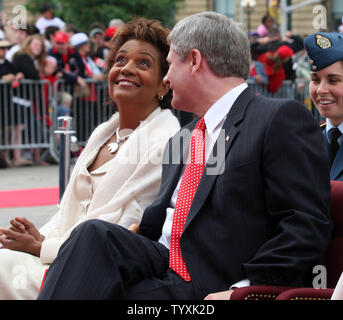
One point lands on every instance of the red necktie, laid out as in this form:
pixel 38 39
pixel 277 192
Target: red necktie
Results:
pixel 189 183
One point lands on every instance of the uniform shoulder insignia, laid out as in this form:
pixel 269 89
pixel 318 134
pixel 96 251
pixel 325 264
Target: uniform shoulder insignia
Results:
pixel 323 42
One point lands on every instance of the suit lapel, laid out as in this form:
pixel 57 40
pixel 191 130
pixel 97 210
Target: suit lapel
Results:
pixel 177 157
pixel 216 164
pixel 336 168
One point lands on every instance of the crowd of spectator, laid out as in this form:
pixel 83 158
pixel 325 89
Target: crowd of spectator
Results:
pixel 275 56
pixel 52 49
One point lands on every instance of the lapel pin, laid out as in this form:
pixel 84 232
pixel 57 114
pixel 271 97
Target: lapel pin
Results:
pixel 227 138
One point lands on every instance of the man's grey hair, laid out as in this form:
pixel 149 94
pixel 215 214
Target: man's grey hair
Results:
pixel 223 41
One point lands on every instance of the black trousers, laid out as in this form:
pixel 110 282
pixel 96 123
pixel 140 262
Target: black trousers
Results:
pixel 101 260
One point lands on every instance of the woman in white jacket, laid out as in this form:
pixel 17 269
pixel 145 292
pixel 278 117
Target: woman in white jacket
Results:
pixel 119 172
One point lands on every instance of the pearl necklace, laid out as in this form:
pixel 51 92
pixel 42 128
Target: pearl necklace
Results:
pixel 113 147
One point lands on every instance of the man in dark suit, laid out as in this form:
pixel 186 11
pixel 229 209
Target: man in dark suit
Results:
pixel 260 213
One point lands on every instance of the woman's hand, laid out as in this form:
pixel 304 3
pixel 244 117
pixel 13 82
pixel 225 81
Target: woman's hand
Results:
pixel 23 225
pixel 134 228
pixel 22 236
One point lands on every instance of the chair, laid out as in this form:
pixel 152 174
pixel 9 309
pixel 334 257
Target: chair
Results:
pixel 258 292
pixel 333 263
pixel 305 294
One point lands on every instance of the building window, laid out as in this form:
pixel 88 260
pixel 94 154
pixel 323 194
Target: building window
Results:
pixel 226 7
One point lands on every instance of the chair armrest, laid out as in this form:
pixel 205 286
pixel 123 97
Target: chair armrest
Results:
pixel 305 294
pixel 258 292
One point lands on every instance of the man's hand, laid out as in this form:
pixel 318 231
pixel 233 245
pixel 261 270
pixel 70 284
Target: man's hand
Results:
pixel 222 295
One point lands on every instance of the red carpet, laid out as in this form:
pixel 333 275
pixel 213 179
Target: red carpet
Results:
pixel 29 197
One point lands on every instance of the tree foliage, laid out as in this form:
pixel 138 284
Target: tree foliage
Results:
pixel 82 13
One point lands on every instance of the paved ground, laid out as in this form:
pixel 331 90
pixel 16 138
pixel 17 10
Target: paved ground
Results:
pixel 25 178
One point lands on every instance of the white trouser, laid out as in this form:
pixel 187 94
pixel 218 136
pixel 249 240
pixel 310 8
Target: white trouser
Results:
pixel 21 275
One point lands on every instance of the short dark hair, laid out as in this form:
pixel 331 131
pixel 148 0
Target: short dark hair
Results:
pixel 50 31
pixel 273 32
pixel 29 29
pixel 45 7
pixel 266 17
pixel 70 28
pixel 150 31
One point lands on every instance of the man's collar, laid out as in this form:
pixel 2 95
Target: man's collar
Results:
pixel 220 109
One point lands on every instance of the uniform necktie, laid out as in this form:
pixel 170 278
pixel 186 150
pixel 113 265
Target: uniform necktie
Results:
pixel 189 183
pixel 335 134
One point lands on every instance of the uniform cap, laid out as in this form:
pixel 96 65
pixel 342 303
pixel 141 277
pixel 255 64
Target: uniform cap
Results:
pixel 323 49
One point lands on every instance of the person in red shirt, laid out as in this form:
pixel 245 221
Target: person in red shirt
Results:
pixel 273 62
pixel 51 74
pixel 274 54
pixel 68 60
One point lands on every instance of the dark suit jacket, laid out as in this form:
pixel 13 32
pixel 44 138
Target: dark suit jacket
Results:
pixel 336 171
pixel 266 218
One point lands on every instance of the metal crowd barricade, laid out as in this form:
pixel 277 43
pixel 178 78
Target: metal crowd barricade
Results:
pixel 289 90
pixel 28 113
pixel 89 107
pixel 31 109
pixel 25 116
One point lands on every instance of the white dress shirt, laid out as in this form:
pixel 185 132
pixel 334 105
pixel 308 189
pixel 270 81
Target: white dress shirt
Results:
pixel 214 120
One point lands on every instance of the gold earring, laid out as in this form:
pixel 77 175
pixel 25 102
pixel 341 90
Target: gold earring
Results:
pixel 160 98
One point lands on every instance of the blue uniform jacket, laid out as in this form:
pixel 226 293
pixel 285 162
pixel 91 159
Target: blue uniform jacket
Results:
pixel 336 171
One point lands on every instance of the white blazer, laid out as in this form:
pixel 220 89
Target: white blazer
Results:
pixel 130 184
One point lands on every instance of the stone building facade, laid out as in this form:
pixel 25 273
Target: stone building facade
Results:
pixel 300 20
